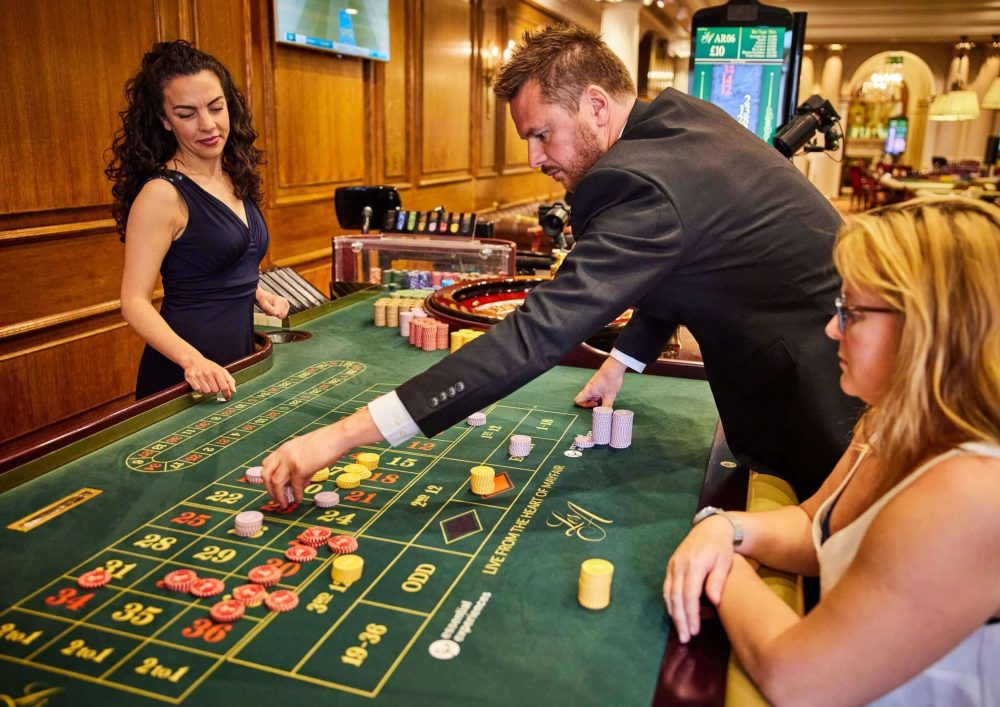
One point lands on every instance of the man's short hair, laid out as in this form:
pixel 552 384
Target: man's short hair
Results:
pixel 564 59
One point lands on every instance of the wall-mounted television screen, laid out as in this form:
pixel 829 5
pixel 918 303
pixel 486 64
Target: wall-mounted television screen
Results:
pixel 895 137
pixel 355 27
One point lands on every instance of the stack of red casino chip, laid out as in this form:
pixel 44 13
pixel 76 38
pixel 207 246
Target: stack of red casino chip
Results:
pixel 520 445
pixel 342 544
pixel 249 523
pixel 180 580
pixel 442 335
pixel 282 600
pixel 264 575
pixel 315 536
pixel 602 424
pixel 621 429
pixel 300 553
pixel 326 499
pixel 207 587
pixel 228 611
pixel 94 579
pixel 250 594
pixel 476 419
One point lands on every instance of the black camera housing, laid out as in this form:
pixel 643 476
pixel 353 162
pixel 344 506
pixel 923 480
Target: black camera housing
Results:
pixel 553 218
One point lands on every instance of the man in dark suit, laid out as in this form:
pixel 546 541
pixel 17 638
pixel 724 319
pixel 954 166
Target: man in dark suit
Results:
pixel 678 211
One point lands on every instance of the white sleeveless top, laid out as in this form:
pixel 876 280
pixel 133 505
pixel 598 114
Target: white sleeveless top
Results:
pixel 970 673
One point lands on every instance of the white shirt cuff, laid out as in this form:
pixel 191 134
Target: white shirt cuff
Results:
pixel 634 364
pixel 392 419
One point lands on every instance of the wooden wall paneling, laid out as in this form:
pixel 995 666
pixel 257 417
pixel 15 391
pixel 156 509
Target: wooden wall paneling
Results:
pixel 319 117
pixel 222 28
pixel 60 378
pixel 62 90
pixel 515 150
pixel 445 92
pixel 396 90
pixel 491 24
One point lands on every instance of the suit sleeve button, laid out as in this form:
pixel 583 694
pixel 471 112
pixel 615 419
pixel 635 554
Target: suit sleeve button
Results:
pixel 433 402
pixel 460 386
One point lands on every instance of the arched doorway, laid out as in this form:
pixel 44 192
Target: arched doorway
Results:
pixel 887 85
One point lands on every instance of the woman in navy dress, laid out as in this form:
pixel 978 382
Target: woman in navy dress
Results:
pixel 187 194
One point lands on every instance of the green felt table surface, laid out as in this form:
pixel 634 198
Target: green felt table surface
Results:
pixel 463 599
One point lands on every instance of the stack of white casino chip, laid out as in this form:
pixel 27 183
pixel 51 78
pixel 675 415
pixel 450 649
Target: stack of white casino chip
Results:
pixel 404 323
pixel 249 523
pixel 520 445
pixel 583 441
pixel 602 424
pixel 254 475
pixel 476 419
pixel 621 429
pixel 326 499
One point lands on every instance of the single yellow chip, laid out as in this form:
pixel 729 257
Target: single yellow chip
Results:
pixel 347 569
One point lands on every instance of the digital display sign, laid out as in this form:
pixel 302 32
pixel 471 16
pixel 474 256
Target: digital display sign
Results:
pixel 741 70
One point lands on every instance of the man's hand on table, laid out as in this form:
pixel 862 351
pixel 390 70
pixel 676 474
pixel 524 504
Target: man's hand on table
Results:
pixel 294 463
pixel 603 386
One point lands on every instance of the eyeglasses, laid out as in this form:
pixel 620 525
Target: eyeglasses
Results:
pixel 845 313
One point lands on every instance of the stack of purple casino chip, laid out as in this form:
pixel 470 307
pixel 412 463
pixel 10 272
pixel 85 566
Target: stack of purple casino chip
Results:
pixel 583 441
pixel 476 419
pixel 254 475
pixel 249 523
pixel 602 424
pixel 621 429
pixel 326 499
pixel 520 445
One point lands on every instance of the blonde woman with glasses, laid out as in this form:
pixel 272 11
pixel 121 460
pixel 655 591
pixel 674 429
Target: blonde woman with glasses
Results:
pixel 905 532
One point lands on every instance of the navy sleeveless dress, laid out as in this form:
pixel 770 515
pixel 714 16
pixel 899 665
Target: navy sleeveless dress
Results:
pixel 210 279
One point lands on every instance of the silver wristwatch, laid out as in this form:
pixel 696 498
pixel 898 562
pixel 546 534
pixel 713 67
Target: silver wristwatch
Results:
pixel 708 511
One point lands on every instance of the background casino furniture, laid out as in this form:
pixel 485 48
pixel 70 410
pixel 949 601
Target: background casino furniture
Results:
pixel 677 451
pixel 373 260
pixel 305 302
pixel 766 493
pixel 363 207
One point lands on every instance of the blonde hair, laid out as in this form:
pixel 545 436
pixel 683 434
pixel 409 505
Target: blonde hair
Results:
pixel 937 261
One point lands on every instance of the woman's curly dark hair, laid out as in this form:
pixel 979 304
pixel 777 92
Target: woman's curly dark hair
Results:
pixel 142 146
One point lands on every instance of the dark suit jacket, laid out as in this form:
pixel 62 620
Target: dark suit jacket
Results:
pixel 693 220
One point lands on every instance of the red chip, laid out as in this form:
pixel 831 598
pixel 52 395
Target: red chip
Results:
pixel 300 553
pixel 264 575
pixel 227 611
pixel 342 544
pixel 208 587
pixel 315 536
pixel 180 580
pixel 282 600
pixel 94 579
pixel 250 594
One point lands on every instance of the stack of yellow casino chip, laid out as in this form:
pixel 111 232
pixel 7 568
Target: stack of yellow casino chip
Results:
pixel 359 470
pixel 595 583
pixel 368 460
pixel 347 569
pixel 348 481
pixel 321 475
pixel 481 479
pixel 380 314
